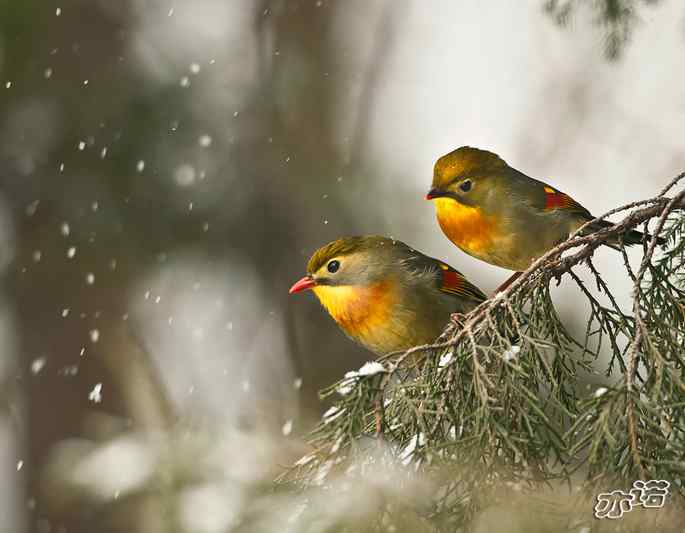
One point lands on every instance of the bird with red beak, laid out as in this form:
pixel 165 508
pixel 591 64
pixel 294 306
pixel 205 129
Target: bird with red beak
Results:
pixel 384 294
pixel 502 216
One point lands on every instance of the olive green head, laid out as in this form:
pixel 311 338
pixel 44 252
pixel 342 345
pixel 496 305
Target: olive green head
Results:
pixel 361 260
pixel 466 174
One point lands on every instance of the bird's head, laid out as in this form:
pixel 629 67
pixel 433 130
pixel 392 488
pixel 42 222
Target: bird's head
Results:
pixel 464 175
pixel 348 262
pixel 355 280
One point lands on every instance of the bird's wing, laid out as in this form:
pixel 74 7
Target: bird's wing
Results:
pixel 447 279
pixel 558 200
pixel 546 198
pixel 453 282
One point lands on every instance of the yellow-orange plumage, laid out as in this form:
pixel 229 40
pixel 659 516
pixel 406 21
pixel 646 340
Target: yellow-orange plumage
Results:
pixel 384 294
pixel 499 214
pixel 465 226
pixel 359 310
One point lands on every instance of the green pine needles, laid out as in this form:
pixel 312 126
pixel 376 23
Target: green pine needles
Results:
pixel 618 18
pixel 512 412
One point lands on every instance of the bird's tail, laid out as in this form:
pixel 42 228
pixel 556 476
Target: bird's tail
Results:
pixel 630 238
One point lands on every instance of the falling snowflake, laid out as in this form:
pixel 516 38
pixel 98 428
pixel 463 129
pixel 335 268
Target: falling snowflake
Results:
pixel 184 175
pixel 37 364
pixel 95 395
pixel 287 427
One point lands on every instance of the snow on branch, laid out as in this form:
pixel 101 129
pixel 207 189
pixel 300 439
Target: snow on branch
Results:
pixel 507 400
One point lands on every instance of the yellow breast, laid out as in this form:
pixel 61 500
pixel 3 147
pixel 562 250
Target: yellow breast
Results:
pixel 466 226
pixel 363 312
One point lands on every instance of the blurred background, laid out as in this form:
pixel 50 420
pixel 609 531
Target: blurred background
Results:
pixel 167 168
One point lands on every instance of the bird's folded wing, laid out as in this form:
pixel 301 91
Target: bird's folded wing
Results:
pixel 558 200
pixel 453 282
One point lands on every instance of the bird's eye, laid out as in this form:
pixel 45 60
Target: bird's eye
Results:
pixel 465 185
pixel 333 266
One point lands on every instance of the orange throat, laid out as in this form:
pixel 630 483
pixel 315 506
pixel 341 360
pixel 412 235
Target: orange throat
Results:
pixel 359 310
pixel 465 226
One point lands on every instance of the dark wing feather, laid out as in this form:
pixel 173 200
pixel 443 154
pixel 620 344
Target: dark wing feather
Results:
pixel 558 200
pixel 453 282
pixel 448 280
pixel 554 199
pixel 544 197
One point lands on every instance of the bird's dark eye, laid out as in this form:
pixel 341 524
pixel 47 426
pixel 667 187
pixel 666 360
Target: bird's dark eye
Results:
pixel 465 185
pixel 333 266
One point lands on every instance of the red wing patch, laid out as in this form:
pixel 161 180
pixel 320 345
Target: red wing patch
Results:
pixel 558 200
pixel 454 283
pixel 451 281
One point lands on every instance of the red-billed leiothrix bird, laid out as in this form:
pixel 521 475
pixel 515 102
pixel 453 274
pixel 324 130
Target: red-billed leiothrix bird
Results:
pixel 385 295
pixel 501 216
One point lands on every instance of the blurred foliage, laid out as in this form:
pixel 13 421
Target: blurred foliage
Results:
pixel 617 17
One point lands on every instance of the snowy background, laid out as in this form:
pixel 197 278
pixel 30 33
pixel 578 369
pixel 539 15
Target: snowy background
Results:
pixel 167 169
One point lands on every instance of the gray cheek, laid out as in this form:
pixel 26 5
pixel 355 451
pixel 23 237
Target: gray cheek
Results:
pixel 362 274
pixel 366 277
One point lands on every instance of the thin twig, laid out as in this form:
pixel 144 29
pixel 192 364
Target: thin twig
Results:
pixel 641 333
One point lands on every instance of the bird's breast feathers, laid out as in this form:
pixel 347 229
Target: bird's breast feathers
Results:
pixel 466 226
pixel 359 310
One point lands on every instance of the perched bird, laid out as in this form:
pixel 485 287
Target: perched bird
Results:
pixel 501 216
pixel 384 294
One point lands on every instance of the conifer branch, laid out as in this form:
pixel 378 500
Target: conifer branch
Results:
pixel 497 403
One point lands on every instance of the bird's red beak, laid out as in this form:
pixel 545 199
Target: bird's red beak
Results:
pixel 433 193
pixel 305 283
